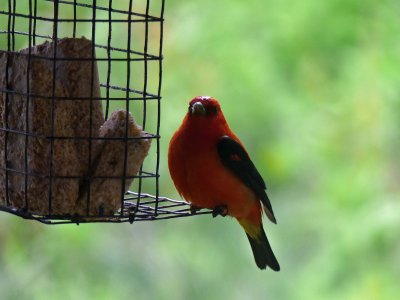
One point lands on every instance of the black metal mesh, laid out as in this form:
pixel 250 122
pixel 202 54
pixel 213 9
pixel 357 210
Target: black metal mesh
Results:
pixel 127 38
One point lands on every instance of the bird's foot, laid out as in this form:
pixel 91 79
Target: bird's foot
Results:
pixel 221 210
pixel 194 209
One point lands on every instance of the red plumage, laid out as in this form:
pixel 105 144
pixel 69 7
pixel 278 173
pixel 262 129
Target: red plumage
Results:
pixel 211 169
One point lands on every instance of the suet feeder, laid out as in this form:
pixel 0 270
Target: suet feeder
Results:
pixel 80 108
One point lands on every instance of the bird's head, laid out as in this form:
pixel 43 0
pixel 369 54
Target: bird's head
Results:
pixel 205 116
pixel 204 106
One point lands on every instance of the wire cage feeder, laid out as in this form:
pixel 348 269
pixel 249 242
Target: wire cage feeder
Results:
pixel 80 99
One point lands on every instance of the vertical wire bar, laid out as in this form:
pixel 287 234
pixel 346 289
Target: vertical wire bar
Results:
pixel 55 40
pixel 145 61
pixel 74 25
pixel 108 58
pixel 13 25
pixel 34 21
pixel 128 75
pixel 145 50
pixel 91 106
pixel 6 103
pixel 27 105
pixel 159 105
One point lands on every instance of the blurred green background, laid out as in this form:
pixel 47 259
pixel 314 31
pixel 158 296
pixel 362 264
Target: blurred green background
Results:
pixel 313 90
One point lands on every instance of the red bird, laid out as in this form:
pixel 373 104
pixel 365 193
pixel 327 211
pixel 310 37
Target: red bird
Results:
pixel 211 169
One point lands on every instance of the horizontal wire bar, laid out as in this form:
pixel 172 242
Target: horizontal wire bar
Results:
pixel 105 9
pixel 146 96
pixel 45 176
pixel 129 90
pixel 78 98
pixel 93 138
pixel 160 199
pixel 46 58
pixel 14 14
pixel 150 56
pixel 160 210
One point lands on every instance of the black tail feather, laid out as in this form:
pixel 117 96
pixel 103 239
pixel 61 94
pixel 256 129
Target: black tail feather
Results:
pixel 262 252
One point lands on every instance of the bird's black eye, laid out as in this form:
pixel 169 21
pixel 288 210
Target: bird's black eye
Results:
pixel 213 110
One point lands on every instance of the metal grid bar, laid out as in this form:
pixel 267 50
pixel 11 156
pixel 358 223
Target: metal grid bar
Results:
pixel 53 93
pixel 108 9
pixel 72 20
pixel 128 80
pixel 116 49
pixel 166 209
pixel 160 72
pixel 116 88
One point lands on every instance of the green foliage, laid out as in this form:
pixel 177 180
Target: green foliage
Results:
pixel 312 88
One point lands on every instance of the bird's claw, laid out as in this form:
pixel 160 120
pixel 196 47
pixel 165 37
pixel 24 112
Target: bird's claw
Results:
pixel 221 210
pixel 194 209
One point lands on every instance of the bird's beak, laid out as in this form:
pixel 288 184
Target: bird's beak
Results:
pixel 198 109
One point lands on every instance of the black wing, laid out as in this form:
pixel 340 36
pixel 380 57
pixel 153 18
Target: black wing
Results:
pixel 236 159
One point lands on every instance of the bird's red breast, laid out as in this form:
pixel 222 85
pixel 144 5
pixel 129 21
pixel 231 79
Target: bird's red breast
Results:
pixel 196 168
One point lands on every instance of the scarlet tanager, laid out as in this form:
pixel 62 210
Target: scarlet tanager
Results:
pixel 211 169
